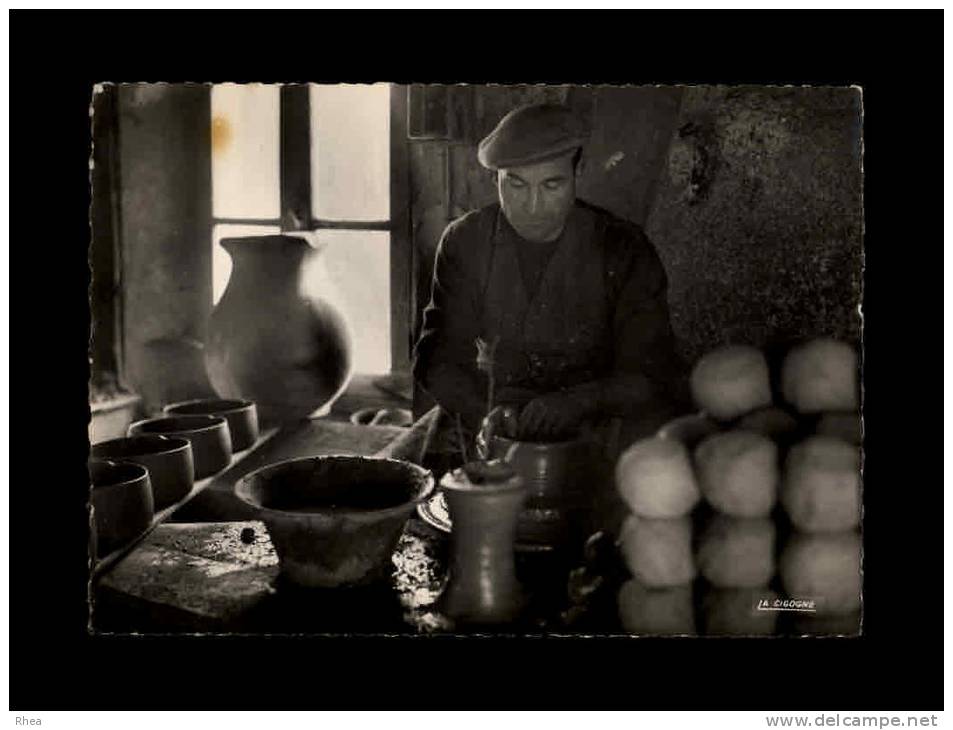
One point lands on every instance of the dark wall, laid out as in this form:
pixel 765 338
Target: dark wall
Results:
pixel 104 251
pixel 758 216
pixel 751 196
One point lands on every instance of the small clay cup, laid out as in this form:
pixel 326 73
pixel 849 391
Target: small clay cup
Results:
pixel 168 460
pixel 209 436
pixel 335 520
pixel 242 417
pixel 122 502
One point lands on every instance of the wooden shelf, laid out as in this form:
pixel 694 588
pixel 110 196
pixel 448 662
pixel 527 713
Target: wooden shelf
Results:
pixel 110 559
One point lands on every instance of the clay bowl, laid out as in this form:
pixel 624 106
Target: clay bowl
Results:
pixel 168 460
pixel 335 520
pixel 209 436
pixel 122 502
pixel 382 417
pixel 242 417
pixel 690 429
pixel 557 476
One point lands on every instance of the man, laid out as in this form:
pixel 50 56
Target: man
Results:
pixel 573 298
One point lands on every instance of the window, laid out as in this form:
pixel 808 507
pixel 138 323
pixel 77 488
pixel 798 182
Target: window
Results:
pixel 321 161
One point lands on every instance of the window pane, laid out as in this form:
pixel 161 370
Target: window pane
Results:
pixel 353 273
pixel 245 151
pixel 221 261
pixel 350 152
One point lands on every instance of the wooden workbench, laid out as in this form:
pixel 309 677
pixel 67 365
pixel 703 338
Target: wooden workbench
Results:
pixel 198 574
pixel 214 570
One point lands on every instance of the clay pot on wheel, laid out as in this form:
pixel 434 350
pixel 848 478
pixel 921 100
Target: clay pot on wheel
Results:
pixel 271 339
pixel 556 476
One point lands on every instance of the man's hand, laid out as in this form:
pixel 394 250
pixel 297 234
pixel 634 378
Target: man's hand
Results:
pixel 514 396
pixel 552 416
pixel 502 421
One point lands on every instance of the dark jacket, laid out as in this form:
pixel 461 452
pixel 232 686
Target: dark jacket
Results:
pixel 598 324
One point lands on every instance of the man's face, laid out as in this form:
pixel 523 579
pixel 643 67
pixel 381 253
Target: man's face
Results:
pixel 537 198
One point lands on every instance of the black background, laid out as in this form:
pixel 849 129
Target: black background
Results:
pixel 895 56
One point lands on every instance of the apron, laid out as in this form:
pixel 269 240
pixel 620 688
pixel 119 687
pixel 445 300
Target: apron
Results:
pixel 561 336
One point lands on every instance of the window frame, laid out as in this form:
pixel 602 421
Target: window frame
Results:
pixel 295 203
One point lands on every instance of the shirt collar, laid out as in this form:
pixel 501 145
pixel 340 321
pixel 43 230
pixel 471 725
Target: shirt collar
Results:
pixel 502 229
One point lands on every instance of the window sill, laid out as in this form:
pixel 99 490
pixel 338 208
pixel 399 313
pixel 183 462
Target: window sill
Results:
pixel 115 403
pixel 110 417
pixel 372 391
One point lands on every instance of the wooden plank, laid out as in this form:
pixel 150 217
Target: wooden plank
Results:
pixel 105 251
pixel 192 576
pixel 204 578
pixel 295 158
pixel 401 253
pixel 427 113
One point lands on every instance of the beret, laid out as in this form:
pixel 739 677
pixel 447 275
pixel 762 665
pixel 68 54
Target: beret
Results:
pixel 531 134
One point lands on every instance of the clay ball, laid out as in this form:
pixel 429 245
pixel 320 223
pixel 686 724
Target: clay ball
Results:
pixel 658 552
pixel 820 489
pixel 737 552
pixel 731 381
pixel 821 375
pixel 656 612
pixel 655 478
pixel 772 422
pixel 845 426
pixel 825 567
pixel 810 624
pixel 738 473
pixel 734 612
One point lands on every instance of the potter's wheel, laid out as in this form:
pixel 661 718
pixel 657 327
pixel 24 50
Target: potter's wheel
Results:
pixel 435 513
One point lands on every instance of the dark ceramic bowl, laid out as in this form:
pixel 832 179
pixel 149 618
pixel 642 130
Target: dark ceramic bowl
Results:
pixel 209 435
pixel 335 520
pixel 168 459
pixel 242 417
pixel 122 502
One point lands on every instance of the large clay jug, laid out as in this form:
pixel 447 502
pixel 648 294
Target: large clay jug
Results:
pixel 271 338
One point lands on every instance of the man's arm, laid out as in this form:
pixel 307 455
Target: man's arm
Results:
pixel 445 354
pixel 647 368
pixel 646 365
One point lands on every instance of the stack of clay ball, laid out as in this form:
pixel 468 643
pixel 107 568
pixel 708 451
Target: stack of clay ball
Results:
pixel 744 519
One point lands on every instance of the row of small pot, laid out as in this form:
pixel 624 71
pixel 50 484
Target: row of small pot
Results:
pixel 158 462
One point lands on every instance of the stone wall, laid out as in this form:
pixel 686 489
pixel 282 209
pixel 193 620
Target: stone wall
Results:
pixel 165 212
pixel 758 216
